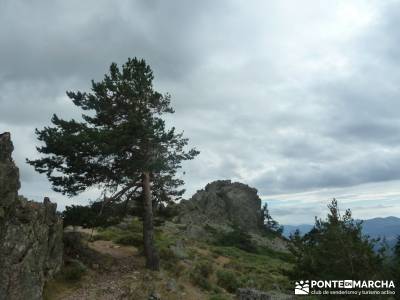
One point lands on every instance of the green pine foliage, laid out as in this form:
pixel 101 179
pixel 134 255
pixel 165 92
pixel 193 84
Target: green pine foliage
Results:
pixel 121 146
pixel 335 249
pixel 96 214
pixel 396 266
pixel 268 223
pixel 122 134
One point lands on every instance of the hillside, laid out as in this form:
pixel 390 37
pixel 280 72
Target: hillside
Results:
pixel 216 258
pixel 214 246
pixel 114 267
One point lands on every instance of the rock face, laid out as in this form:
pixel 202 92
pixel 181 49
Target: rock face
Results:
pixel 225 203
pixel 30 235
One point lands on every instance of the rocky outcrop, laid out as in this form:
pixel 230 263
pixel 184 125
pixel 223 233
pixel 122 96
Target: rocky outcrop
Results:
pixel 30 235
pixel 225 203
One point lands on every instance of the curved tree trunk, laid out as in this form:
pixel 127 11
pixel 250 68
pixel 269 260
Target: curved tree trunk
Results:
pixel 150 251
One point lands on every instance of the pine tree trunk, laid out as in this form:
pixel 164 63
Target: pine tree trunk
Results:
pixel 150 251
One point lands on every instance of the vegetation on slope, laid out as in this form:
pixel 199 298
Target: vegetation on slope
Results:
pixel 209 270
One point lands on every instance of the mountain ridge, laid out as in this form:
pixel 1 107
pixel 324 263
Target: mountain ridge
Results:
pixel 388 227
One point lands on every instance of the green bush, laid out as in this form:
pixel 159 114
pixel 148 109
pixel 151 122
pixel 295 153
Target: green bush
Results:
pixel 170 262
pixel 73 270
pixel 228 280
pixel 167 254
pixel 200 281
pixel 108 234
pixel 237 238
pixel 204 268
pixel 200 274
pixel 129 239
pixel 89 215
pixel 127 236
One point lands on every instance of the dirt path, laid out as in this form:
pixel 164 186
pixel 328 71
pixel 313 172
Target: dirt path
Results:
pixel 115 251
pixel 110 284
pixel 118 272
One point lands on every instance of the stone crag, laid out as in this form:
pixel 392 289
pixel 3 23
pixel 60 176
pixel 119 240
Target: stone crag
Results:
pixel 226 203
pixel 30 235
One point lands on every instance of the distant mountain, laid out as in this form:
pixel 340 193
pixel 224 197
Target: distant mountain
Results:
pixel 303 228
pixel 388 227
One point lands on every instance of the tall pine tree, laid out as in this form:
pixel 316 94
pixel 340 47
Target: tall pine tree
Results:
pixel 122 146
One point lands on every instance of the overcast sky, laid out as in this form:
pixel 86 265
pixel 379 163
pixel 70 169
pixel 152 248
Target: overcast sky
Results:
pixel 299 99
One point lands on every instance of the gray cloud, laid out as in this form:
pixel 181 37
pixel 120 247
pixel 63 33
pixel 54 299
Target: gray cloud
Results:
pixel 282 96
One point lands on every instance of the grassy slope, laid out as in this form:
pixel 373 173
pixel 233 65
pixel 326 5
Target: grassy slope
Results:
pixel 200 270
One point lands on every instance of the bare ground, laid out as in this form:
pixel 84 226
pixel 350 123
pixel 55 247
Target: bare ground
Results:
pixel 125 278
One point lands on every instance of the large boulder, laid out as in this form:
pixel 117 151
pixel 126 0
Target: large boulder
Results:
pixel 223 203
pixel 30 235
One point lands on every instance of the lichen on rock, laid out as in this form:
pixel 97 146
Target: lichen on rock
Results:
pixel 30 235
pixel 224 202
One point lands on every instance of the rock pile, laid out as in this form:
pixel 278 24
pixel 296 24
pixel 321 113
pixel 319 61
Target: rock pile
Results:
pixel 30 235
pixel 226 203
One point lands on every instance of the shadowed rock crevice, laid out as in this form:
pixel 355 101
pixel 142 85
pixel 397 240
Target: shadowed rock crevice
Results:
pixel 30 235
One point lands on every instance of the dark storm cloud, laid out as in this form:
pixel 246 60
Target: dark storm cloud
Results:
pixel 285 97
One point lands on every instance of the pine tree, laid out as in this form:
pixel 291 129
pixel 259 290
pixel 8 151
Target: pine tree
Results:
pixel 268 223
pixel 335 249
pixel 396 250
pixel 396 266
pixel 121 146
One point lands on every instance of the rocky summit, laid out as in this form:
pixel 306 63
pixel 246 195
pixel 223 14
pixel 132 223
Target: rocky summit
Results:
pixel 224 202
pixel 30 235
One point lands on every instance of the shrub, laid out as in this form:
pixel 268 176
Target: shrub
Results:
pixel 129 239
pixel 178 269
pixel 204 268
pixel 73 270
pixel 169 261
pixel 200 274
pixel 89 215
pixel 120 236
pixel 200 281
pixel 77 215
pixel 237 238
pixel 228 280
pixel 108 234
pixel 167 254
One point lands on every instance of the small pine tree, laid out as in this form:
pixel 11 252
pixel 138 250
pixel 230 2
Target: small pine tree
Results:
pixel 396 266
pixel 268 223
pixel 335 249
pixel 397 250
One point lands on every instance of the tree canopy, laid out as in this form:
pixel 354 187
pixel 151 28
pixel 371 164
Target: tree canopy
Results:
pixel 269 224
pixel 121 135
pixel 121 145
pixel 335 249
